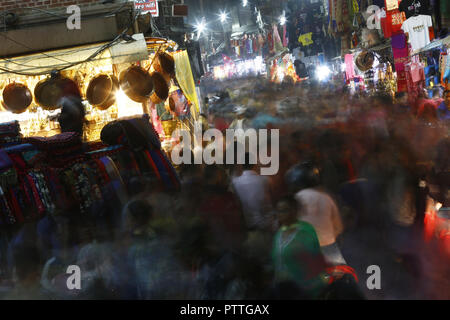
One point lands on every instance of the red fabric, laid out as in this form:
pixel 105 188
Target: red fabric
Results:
pixel 15 206
pixel 392 24
pixel 427 108
pixel 342 269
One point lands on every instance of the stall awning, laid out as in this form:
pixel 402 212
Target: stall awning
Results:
pixel 73 58
pixel 434 44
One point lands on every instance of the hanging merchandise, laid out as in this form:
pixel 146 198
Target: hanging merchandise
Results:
pixel 400 53
pixel 391 5
pixel 334 16
pixel 261 43
pixel 249 46
pixel 306 39
pixel 365 60
pixel 270 40
pixel 414 7
pixel 278 45
pixel 285 37
pixel 392 23
pixel 414 88
pixel 417 72
pixel 349 69
pixel 355 40
pixel 444 68
pixel 417 28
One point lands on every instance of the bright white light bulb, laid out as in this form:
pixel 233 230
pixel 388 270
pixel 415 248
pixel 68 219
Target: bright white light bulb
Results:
pixel 223 17
pixel 322 72
pixel 244 3
pixel 200 27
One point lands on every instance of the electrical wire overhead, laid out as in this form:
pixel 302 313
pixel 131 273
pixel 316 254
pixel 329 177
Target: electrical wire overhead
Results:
pixel 70 65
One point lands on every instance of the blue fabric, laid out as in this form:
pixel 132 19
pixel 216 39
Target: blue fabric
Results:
pixel 443 112
pixel 447 74
pixel 161 169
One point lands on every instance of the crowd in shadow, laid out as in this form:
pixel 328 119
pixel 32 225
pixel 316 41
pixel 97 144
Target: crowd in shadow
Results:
pixel 357 175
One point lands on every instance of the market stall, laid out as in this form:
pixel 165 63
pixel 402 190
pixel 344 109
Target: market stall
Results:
pixel 126 87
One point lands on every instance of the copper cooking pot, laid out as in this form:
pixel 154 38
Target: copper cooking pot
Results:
pixel 165 65
pixel 16 97
pixel 136 83
pixel 48 92
pixel 161 89
pixel 101 91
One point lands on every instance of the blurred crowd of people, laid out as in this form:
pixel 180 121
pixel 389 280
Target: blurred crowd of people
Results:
pixel 357 176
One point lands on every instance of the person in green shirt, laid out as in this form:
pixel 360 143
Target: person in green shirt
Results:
pixel 296 251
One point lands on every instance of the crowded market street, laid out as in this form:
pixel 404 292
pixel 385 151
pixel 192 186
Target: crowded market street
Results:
pixel 238 150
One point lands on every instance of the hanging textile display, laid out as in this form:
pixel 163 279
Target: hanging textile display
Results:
pixel 61 175
pixel 349 68
pixel 285 37
pixel 392 23
pixel 185 79
pixel 400 53
pixel 278 45
pixel 391 5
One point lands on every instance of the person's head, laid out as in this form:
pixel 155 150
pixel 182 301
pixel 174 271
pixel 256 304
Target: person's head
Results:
pixel 72 114
pixel 137 215
pixel 287 211
pixel 383 100
pixel 302 176
pixel 401 98
pixel 428 112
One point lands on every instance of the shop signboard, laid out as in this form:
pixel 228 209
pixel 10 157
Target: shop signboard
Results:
pixel 148 6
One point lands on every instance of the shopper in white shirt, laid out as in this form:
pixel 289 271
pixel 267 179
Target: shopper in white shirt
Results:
pixel 317 208
pixel 253 191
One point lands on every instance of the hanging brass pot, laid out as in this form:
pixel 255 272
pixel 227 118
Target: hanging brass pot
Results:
pixel 161 89
pixel 101 91
pixel 48 92
pixel 16 97
pixel 165 65
pixel 136 83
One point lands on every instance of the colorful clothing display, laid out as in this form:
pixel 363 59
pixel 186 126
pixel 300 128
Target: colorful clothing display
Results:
pixel 400 53
pixel 69 179
pixel 417 28
pixel 392 23
pixel 412 7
